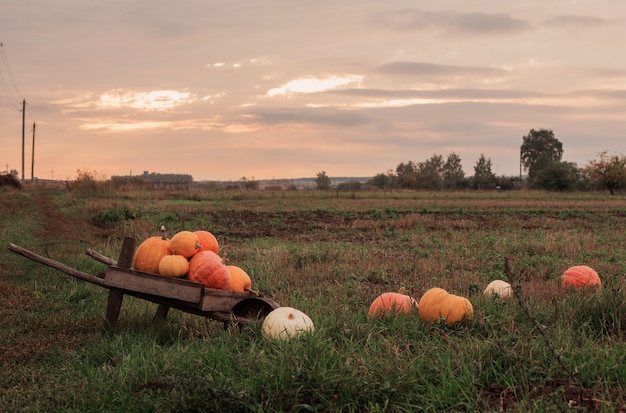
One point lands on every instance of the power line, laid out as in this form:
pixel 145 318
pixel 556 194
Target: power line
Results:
pixel 8 84
pixel 5 87
pixel 7 67
pixel 5 73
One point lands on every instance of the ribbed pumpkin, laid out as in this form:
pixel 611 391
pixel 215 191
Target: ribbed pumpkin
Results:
pixel 285 323
pixel 185 243
pixel 455 308
pixel 173 266
pixel 437 304
pixel 149 254
pixel 206 267
pixel 207 241
pixel 498 288
pixel 428 306
pixel 239 279
pixel 580 276
pixel 392 303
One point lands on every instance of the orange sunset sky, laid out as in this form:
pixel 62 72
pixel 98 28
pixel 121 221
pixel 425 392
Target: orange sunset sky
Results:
pixel 269 89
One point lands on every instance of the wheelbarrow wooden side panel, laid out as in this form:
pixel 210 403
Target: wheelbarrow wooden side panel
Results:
pixel 153 284
pixel 194 295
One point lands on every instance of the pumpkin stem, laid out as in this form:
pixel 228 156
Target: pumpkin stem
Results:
pixel 250 290
pixel 164 236
pixel 402 290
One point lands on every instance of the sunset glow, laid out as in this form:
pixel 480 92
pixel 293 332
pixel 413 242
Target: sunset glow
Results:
pixel 350 88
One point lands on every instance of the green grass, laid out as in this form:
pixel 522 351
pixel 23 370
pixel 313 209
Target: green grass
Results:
pixel 329 255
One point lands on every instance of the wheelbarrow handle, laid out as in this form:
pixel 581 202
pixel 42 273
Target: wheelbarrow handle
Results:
pixel 83 276
pixel 99 257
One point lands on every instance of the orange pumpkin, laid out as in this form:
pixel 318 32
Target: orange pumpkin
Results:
pixel 149 254
pixel 455 309
pixel 428 306
pixel 391 303
pixel 173 266
pixel 206 267
pixel 580 276
pixel 185 243
pixel 437 304
pixel 207 241
pixel 239 279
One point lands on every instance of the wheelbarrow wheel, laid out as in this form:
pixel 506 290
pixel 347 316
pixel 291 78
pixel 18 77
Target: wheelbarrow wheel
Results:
pixel 251 310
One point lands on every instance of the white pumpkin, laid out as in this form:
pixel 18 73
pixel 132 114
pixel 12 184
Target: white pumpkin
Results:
pixel 499 288
pixel 286 322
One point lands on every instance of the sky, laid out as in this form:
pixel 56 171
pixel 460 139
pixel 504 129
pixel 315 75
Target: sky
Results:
pixel 277 89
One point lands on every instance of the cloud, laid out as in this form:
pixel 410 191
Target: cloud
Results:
pixel 155 100
pixel 431 76
pixel 310 116
pixel 484 23
pixel 313 85
pixel 122 126
pixel 463 93
pixel 576 21
pixel 477 23
pixel 432 69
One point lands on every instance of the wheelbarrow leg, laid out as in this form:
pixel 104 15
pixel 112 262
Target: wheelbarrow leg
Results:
pixel 114 302
pixel 161 312
pixel 114 305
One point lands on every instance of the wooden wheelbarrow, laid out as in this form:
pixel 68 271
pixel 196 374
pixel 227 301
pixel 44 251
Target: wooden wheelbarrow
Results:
pixel 229 307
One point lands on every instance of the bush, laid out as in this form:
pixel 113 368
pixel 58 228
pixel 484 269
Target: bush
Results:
pixel 349 186
pixel 110 217
pixel 86 183
pixel 10 180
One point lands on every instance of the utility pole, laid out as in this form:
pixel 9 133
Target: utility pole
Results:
pixel 32 166
pixel 23 131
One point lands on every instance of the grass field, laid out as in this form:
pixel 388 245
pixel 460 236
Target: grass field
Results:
pixel 330 255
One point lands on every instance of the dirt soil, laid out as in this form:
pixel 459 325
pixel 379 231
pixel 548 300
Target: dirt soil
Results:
pixel 18 312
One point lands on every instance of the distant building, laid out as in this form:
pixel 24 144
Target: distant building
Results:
pixel 153 181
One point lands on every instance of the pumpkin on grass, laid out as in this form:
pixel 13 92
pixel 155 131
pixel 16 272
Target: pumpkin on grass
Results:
pixel 580 276
pixel 173 266
pixel 207 241
pixel 149 254
pixel 429 304
pixel 498 288
pixel 437 304
pixel 391 303
pixel 284 323
pixel 206 267
pixel 185 243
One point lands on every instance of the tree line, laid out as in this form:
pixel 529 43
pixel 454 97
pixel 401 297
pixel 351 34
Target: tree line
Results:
pixel 540 156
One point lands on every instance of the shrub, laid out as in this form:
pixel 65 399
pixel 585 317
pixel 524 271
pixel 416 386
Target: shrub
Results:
pixel 108 218
pixel 349 186
pixel 10 180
